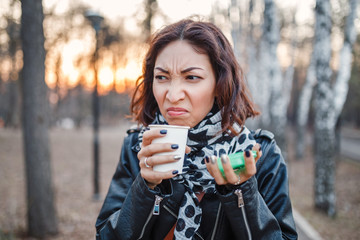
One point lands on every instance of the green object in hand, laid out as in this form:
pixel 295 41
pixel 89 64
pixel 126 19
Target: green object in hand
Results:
pixel 237 162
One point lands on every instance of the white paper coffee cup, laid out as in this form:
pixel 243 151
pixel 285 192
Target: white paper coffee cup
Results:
pixel 175 135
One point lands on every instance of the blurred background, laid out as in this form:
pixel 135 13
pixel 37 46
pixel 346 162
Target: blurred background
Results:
pixel 64 102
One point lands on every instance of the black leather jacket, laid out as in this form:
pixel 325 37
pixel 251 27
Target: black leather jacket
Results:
pixel 259 208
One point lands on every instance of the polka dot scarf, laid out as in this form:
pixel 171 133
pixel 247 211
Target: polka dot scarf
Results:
pixel 205 139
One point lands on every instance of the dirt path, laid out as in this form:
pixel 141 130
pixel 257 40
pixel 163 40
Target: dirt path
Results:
pixel 72 174
pixel 350 144
pixel 346 224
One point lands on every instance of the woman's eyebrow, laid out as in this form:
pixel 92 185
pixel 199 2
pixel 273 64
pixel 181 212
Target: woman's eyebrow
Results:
pixel 190 69
pixel 162 70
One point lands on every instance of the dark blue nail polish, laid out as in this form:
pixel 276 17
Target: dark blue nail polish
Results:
pixel 260 149
pixel 247 153
pixel 174 146
pixel 163 131
pixel 207 159
pixel 175 172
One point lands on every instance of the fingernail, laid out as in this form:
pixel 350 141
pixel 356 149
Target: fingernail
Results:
pixel 207 159
pixel 213 159
pixel 163 131
pixel 175 172
pixel 177 157
pixel 247 153
pixel 174 146
pixel 260 149
pixel 223 158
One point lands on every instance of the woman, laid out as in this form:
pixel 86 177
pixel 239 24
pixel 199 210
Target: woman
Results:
pixel 191 78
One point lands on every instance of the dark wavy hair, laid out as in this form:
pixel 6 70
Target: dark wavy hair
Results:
pixel 232 94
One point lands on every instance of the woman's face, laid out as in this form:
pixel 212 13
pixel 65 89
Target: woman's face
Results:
pixel 184 84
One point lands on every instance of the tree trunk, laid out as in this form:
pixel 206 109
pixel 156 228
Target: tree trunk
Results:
pixel 304 106
pixel 329 102
pixel 13 106
pixel 282 93
pixel 252 74
pixel 263 92
pixel 324 112
pixel 150 10
pixel 235 27
pixel 325 170
pixel 277 103
pixel 342 81
pixel 13 115
pixel 287 89
pixel 41 214
pixel 289 73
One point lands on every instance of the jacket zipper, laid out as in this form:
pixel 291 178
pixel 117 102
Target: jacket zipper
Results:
pixel 216 222
pixel 241 205
pixel 155 211
pixel 171 212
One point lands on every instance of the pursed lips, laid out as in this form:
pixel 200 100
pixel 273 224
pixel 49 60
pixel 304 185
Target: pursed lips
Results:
pixel 174 111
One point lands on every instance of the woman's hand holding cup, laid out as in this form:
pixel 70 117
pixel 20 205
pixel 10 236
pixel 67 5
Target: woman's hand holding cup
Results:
pixel 160 157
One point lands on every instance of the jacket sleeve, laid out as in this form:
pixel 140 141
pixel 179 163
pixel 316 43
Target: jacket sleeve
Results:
pixel 267 212
pixel 122 215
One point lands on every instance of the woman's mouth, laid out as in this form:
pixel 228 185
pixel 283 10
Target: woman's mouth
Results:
pixel 174 111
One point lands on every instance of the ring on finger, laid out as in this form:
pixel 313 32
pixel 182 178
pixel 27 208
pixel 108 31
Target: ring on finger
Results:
pixel 146 164
pixel 238 181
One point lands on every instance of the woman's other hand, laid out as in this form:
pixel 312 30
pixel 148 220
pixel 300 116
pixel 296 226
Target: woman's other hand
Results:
pixel 148 159
pixel 230 176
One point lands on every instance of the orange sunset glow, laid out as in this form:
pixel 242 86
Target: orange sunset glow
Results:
pixel 119 78
pixel 121 75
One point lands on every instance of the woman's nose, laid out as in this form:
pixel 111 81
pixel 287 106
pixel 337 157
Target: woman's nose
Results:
pixel 175 92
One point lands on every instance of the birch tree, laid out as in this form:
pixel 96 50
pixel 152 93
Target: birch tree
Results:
pixel 240 15
pixel 243 41
pixel 267 69
pixel 341 87
pixel 324 134
pixel 275 88
pixel 41 214
pixel 253 64
pixel 234 17
pixel 304 106
pixel 281 92
pixel 271 89
pixel 342 81
pixel 329 101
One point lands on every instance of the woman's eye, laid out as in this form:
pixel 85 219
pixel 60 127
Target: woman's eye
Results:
pixel 160 77
pixel 192 77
